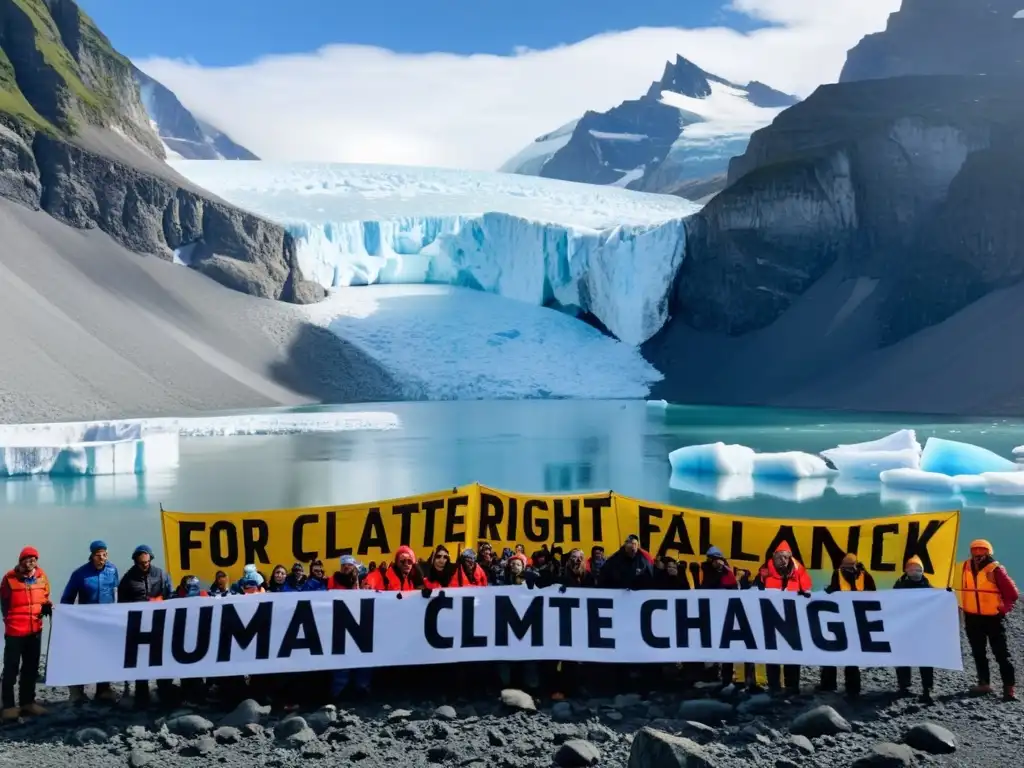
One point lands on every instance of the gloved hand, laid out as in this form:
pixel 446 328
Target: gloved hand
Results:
pixel 47 609
pixel 828 590
pixel 400 595
pixel 426 591
pixel 804 594
pixel 563 589
pixel 949 589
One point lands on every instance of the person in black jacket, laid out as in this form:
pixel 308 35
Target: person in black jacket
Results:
pixel 141 583
pixel 567 676
pixel 913 578
pixel 849 577
pixel 716 573
pixel 629 568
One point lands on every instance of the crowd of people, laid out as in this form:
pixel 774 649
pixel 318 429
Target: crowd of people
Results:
pixel 987 595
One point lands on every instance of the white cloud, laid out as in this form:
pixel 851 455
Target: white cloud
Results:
pixel 347 103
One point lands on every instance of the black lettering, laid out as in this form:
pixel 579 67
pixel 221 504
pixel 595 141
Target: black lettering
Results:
pixel 224 544
pixel 255 535
pixel 430 617
pixel 302 633
pixel 135 637
pixel 186 543
pixel 696 574
pixel 878 534
pixel 430 509
pixel 469 639
pixel 736 626
pixel 866 627
pixel 570 520
pixel 406 511
pixel 917 542
pixel 233 630
pixel 596 623
pixel 455 519
pixel 647 610
pixel 596 507
pixel 506 618
pixel 785 534
pixel 685 623
pixel 646 527
pixel 786 624
pixel 334 547
pixel 822 541
pixel 491 514
pixel 513 519
pixel 677 537
pixel 178 634
pixel 299 552
pixel 853 539
pixel 565 607
pixel 535 530
pixel 345 625
pixel 736 543
pixel 840 642
pixel 704 534
pixel 374 535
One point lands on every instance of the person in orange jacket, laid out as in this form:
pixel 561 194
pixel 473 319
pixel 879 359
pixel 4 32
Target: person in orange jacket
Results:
pixel 401 576
pixel 438 573
pixel 24 601
pixel 783 572
pixel 468 573
pixel 987 595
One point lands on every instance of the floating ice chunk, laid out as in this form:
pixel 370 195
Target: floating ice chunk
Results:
pixel 713 459
pixel 789 464
pixel 657 405
pixel 1019 450
pixel 919 480
pixel 718 487
pixel 867 465
pixel 950 457
pixel 1003 483
pixel 970 483
pixel 904 439
pixel 803 489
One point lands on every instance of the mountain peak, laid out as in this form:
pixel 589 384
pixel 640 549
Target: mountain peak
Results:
pixel 684 77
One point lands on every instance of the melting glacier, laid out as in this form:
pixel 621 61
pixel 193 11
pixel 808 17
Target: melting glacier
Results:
pixel 609 252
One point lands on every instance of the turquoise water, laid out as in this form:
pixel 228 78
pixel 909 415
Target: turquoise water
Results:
pixel 529 446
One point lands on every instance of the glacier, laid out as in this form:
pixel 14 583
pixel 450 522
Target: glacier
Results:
pixel 609 252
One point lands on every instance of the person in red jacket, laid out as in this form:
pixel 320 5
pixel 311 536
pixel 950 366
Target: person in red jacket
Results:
pixel 987 595
pixel 401 576
pixel 783 572
pixel 24 601
pixel 468 573
pixel 438 573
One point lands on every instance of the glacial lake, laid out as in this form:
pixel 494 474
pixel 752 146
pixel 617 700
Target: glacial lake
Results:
pixel 530 446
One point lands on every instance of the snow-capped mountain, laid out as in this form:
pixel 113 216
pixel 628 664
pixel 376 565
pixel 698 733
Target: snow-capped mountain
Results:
pixel 685 128
pixel 182 134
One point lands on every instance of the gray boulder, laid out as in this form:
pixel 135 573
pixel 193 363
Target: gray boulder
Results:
pixel 820 721
pixel 577 753
pixel 657 749
pixel 227 734
pixel 886 755
pixel 707 711
pixel 289 726
pixel 322 719
pixel 246 713
pixel 446 712
pixel 518 700
pixel 189 726
pixel 93 735
pixel 801 743
pixel 204 745
pixel 931 738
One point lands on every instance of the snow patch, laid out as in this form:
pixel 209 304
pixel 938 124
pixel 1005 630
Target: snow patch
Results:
pixel 1019 14
pixel 726 111
pixel 618 136
pixel 448 343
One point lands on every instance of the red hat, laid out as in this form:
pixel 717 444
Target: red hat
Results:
pixel 521 558
pixel 783 547
pixel 28 552
pixel 404 550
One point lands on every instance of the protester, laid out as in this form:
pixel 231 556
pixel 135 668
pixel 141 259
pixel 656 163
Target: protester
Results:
pixel 295 580
pixel 193 689
pixel 94 583
pixel 545 564
pixel 716 573
pixel 24 601
pixel 189 587
pixel 486 558
pixel 517 572
pixel 629 568
pixel 575 572
pixel 468 573
pixel 527 673
pixel 783 572
pixel 141 583
pixel 438 573
pixel 850 576
pixel 278 580
pixel 566 676
pixel 220 586
pixel 354 681
pixel 253 581
pixel 317 580
pixel 913 578
pixel 668 575
pixel 401 576
pixel 987 594
pixel 596 560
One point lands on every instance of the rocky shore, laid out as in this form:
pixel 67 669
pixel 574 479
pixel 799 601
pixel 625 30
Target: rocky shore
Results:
pixel 703 726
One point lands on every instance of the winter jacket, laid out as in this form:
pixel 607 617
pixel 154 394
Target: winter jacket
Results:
pixel 460 579
pixel 662 580
pixel 581 580
pixel 861 581
pixel 710 578
pixel 314 585
pixel 22 600
pixel 797 580
pixel 904 582
pixel 390 580
pixel 621 572
pixel 139 587
pixel 88 586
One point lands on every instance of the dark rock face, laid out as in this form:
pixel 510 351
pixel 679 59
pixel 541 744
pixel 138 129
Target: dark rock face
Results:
pixel 942 37
pixel 180 130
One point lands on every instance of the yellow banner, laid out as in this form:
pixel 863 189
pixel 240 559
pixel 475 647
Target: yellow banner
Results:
pixel 203 543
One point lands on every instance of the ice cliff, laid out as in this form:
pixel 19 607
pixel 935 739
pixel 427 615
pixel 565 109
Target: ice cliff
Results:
pixel 603 252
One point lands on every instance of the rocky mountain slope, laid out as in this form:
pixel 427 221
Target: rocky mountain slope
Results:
pixel 184 136
pixel 672 139
pixel 875 209
pixel 76 142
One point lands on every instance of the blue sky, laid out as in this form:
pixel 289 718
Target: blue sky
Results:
pixel 231 32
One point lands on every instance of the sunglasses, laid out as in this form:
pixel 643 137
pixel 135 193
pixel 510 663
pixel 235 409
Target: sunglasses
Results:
pixel 436 557
pixel 405 560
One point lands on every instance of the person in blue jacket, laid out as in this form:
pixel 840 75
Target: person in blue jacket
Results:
pixel 94 583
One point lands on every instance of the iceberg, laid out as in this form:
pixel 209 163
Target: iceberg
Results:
pixel 721 459
pixel 868 465
pixel 111 457
pixel 985 483
pixel 950 457
pixel 903 440
pixel 920 480
pixel 603 251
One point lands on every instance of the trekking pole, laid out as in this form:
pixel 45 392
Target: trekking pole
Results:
pixel 49 637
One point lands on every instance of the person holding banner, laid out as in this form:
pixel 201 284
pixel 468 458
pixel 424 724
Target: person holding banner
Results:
pixel 850 576
pixel 438 573
pixel 716 573
pixel 347 577
pixel 141 583
pixel 783 572
pixel 629 568
pixel 401 576
pixel 987 594
pixel 468 573
pixel 94 583
pixel 317 581
pixel 278 579
pixel 24 601
pixel 913 578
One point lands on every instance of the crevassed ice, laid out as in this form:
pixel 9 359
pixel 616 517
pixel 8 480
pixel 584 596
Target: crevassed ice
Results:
pixel 608 251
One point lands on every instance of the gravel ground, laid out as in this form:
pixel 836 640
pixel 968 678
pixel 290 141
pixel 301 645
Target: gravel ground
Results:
pixel 510 729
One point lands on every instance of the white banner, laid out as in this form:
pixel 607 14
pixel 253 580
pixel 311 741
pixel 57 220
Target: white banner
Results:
pixel 291 632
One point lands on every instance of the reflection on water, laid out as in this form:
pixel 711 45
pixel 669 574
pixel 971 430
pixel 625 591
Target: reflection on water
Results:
pixel 543 446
